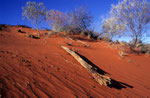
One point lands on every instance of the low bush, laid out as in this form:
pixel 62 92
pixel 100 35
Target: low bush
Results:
pixel 4 27
pixel 143 49
pixel 117 42
pixel 23 26
pixel 19 30
pixel 74 31
pixel 82 34
pixel 148 52
pixel 32 36
pixel 106 39
pixel 92 35
pixel 132 43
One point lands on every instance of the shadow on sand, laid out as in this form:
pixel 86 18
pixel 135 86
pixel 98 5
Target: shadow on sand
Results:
pixel 114 83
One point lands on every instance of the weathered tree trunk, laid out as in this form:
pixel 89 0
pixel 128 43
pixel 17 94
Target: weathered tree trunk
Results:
pixel 135 42
pixel 37 28
pixel 101 79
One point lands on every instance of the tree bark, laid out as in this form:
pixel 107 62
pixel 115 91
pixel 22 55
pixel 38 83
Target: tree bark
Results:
pixel 37 28
pixel 135 42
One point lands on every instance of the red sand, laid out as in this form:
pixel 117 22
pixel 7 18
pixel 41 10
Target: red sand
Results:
pixel 41 68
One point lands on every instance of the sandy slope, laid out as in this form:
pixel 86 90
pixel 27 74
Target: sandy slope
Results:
pixel 40 68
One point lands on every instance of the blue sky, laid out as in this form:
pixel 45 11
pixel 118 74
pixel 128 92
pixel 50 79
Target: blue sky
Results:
pixel 11 10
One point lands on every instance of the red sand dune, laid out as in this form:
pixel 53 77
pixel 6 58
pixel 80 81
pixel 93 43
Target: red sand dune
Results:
pixel 41 68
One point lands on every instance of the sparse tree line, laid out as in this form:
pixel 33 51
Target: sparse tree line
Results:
pixel 128 17
pixel 76 21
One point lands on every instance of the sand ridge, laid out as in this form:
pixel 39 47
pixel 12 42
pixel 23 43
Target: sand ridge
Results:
pixel 41 68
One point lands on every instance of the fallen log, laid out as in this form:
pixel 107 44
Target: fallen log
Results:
pixel 101 79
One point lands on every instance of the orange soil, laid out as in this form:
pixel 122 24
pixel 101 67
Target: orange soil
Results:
pixel 41 68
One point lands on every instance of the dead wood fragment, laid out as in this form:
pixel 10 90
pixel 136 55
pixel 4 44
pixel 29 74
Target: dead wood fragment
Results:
pixel 122 54
pixel 101 79
pixel 87 45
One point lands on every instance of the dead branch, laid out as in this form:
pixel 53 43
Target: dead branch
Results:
pixel 101 79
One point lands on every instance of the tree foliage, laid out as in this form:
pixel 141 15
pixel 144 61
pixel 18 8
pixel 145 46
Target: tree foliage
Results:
pixel 81 18
pixel 56 19
pixel 77 20
pixel 134 15
pixel 111 28
pixel 35 13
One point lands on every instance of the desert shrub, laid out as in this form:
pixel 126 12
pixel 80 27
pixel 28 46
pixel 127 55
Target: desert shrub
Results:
pixel 89 36
pixel 78 21
pixel 122 42
pixel 4 27
pixel 96 37
pixel 1 28
pixel 82 34
pixel 132 43
pixel 54 32
pixel 47 34
pixel 32 36
pixel 143 49
pixel 75 22
pixel 73 31
pixel 20 31
pixel 69 31
pixel 148 52
pixel 23 26
pixel 92 35
pixel 106 39
pixel 117 42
